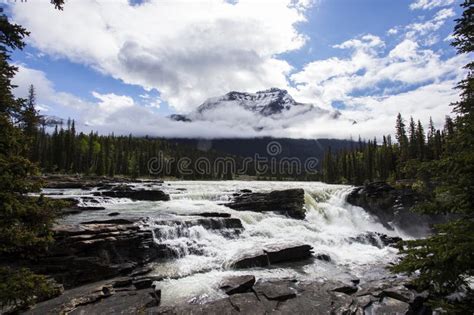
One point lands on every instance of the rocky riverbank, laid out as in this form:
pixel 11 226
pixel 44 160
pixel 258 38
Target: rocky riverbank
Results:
pixel 393 207
pixel 245 295
pixel 113 261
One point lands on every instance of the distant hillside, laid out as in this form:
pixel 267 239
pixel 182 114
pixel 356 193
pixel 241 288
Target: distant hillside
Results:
pixel 299 148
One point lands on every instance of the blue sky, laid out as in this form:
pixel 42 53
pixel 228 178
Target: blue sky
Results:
pixel 119 66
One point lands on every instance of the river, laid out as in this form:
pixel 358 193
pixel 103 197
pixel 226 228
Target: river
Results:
pixel 204 255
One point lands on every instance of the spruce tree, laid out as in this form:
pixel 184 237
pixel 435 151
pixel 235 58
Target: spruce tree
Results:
pixel 401 136
pixel 412 139
pixel 432 148
pixel 420 141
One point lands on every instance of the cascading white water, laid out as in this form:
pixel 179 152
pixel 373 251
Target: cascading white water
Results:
pixel 203 255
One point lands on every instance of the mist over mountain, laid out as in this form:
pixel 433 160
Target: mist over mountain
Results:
pixel 262 110
pixel 50 121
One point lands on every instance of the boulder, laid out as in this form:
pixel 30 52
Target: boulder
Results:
pixel 79 209
pixel 222 306
pixel 379 240
pixel 111 221
pixel 347 289
pixel 323 257
pixel 276 290
pixel 182 226
pixel 387 305
pixel 214 214
pixel 141 194
pixel 248 303
pixel 289 202
pixel 216 224
pixel 305 297
pixel 392 207
pixel 238 284
pixel 122 282
pixel 90 208
pixel 209 223
pixel 250 260
pixel 272 254
pixel 141 271
pixel 142 283
pixel 278 253
pixel 96 250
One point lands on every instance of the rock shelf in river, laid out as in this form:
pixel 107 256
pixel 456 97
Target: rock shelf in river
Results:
pixel 289 202
pixel 100 249
pixel 272 254
pixel 135 194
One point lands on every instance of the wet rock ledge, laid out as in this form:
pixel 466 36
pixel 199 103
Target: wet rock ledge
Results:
pixel 87 182
pixel 124 191
pixel 272 254
pixel 101 249
pixel 387 296
pixel 245 295
pixel 289 202
pixel 98 250
pixel 392 207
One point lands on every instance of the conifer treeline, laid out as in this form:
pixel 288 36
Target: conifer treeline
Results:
pixel 67 151
pixel 388 161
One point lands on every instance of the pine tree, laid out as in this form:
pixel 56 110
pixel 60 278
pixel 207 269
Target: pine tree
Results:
pixel 412 139
pixel 432 148
pixel 401 136
pixel 30 122
pixel 30 115
pixel 420 141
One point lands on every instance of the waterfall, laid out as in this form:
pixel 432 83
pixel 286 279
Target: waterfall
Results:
pixel 200 253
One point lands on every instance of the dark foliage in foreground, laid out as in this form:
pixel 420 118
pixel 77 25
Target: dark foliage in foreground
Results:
pixel 24 221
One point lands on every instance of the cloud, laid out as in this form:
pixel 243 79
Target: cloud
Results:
pixel 430 4
pixel 392 31
pixel 101 110
pixel 192 52
pixel 417 31
pixel 366 42
pixel 108 104
pixel 186 50
pixel 109 112
pixel 373 84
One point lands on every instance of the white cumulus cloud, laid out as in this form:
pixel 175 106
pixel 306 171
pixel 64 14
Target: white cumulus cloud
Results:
pixel 188 50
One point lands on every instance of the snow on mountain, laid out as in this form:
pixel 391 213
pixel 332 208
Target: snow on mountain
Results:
pixel 274 103
pixel 50 121
pixel 266 102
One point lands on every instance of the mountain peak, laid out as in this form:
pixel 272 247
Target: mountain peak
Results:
pixel 266 102
pixel 260 110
